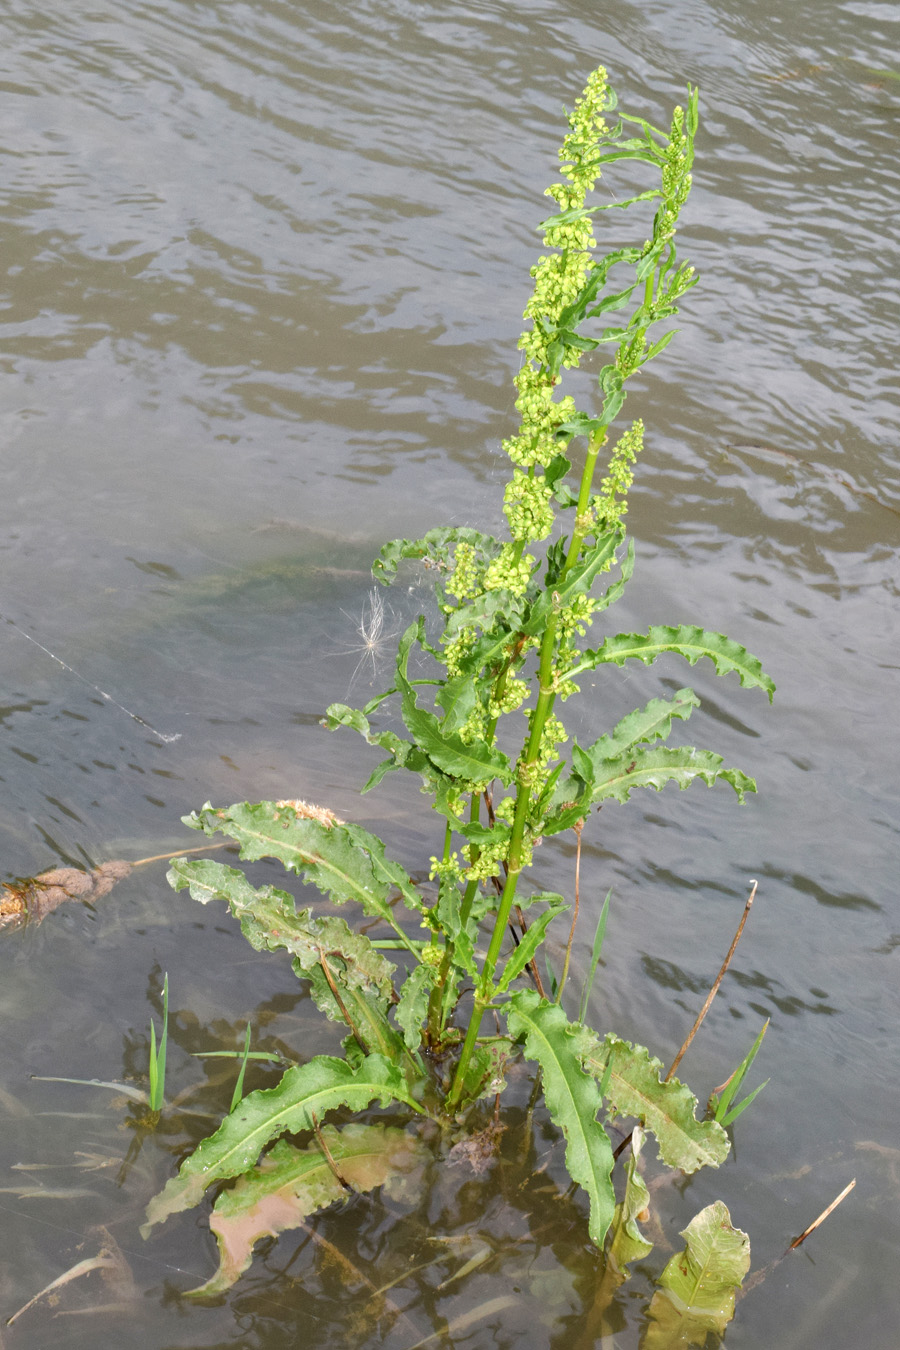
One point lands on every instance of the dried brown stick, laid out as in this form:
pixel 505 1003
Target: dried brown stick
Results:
pixel 822 1217
pixel 181 852
pixel 715 989
pixel 758 1276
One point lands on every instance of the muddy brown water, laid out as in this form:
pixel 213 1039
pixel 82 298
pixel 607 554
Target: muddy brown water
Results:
pixel 266 264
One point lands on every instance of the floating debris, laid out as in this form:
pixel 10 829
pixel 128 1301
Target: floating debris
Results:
pixel 30 900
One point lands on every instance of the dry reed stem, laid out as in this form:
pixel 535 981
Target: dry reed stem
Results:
pixel 715 989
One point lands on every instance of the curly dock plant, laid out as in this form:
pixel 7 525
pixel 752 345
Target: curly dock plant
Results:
pixel 510 648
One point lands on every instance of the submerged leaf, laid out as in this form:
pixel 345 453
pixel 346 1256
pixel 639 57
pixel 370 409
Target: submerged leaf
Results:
pixel 305 1093
pixel 291 1183
pixel 628 1242
pixel 696 1288
pixel 573 1099
pixel 635 1087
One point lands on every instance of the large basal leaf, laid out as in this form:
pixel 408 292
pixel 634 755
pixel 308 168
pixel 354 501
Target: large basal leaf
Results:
pixel 573 1099
pixel 653 768
pixel 350 981
pixel 344 861
pixel 305 1094
pixel 697 1286
pixel 291 1183
pixel 684 640
pixel 635 1087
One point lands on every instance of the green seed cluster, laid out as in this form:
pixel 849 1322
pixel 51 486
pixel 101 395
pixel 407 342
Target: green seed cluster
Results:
pixel 507 572
pixel 558 279
pixel 611 504
pixel 447 869
pixel 676 181
pixel 526 502
pixel 513 696
pixel 458 649
pixel 465 580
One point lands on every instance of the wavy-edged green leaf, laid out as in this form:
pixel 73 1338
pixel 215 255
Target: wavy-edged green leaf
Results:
pixel 697 1287
pixel 306 1093
pixel 269 920
pixel 650 723
pixel 291 1183
pixel 412 1009
pixel 530 942
pixel 596 558
pixel 457 699
pixel 483 611
pixel 572 1097
pixel 654 767
pixel 685 640
pixel 340 715
pixel 350 981
pixel 345 862
pixel 635 1087
pixel 435 546
pixel 627 1243
pixel 474 763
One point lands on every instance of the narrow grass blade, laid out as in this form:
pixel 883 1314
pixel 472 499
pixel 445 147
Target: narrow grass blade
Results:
pixel 595 957
pixel 239 1085
pixel 722 1101
pixel 158 1056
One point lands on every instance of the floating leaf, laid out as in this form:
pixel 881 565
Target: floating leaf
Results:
pixel 291 1183
pixel 33 898
pixel 635 1087
pixel 684 640
pixel 696 1289
pixel 306 1093
pixel 573 1099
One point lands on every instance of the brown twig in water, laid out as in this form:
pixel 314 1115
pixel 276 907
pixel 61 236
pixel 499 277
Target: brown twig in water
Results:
pixel 756 1279
pixel 181 852
pixel 336 1172
pixel 822 1217
pixel 715 989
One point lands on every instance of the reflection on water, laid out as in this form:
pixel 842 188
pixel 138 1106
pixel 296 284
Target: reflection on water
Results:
pixel 266 264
